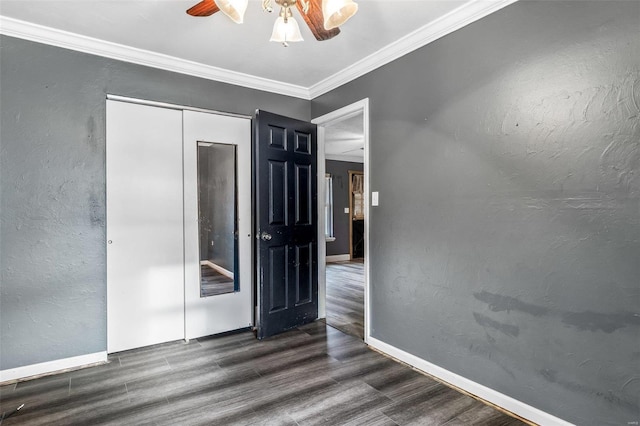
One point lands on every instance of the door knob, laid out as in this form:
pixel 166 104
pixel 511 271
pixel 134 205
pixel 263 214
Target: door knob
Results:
pixel 265 236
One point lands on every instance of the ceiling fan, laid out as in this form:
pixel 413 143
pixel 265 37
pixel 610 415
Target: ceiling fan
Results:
pixel 323 17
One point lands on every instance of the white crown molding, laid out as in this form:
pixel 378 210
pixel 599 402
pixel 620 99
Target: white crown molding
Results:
pixel 452 21
pixel 41 34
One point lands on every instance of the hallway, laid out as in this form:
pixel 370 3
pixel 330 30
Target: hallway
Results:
pixel 345 297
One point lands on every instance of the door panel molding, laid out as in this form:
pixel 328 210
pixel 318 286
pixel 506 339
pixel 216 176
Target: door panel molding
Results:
pixel 278 138
pixel 278 294
pixel 278 182
pixel 304 274
pixel 304 197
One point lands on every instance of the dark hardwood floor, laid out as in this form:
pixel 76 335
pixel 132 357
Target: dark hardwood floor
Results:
pixel 345 296
pixel 214 283
pixel 314 375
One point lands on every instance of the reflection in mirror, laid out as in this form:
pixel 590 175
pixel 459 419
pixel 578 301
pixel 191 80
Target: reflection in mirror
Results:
pixel 217 218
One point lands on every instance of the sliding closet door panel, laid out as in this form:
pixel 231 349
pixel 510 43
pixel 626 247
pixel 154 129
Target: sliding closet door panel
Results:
pixel 145 264
pixel 217 212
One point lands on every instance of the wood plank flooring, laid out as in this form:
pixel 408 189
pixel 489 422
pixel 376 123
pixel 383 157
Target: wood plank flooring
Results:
pixel 214 283
pixel 345 296
pixel 314 375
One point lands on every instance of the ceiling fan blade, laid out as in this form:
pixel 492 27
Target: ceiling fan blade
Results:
pixel 315 20
pixel 204 8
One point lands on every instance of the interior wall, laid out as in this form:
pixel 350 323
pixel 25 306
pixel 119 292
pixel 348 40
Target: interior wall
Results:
pixel 340 172
pixel 52 187
pixel 506 244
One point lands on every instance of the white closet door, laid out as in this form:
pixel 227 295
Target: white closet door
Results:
pixel 225 312
pixel 145 263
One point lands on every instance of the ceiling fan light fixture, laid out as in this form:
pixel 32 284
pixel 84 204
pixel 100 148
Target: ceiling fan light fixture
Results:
pixel 337 12
pixel 286 29
pixel 234 9
pixel 311 11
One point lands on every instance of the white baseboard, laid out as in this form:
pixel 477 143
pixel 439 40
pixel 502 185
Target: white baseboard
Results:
pixel 338 258
pixel 217 268
pixel 501 400
pixel 43 368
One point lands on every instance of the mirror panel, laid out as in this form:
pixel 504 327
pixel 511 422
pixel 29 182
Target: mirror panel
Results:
pixel 217 218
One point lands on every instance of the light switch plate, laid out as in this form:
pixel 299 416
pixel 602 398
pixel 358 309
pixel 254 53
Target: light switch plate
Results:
pixel 374 198
pixel 346 210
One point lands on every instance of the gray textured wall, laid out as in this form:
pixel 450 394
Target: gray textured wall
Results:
pixel 52 182
pixel 506 247
pixel 340 172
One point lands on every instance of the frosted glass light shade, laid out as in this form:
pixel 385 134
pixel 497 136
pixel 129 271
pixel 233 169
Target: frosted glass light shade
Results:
pixel 234 9
pixel 337 12
pixel 285 32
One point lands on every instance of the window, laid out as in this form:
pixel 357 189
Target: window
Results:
pixel 328 208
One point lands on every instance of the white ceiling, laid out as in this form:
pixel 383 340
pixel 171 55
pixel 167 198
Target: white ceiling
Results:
pixel 344 140
pixel 159 33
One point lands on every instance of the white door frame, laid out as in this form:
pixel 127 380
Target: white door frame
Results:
pixel 322 122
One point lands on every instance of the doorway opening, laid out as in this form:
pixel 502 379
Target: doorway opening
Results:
pixel 343 151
